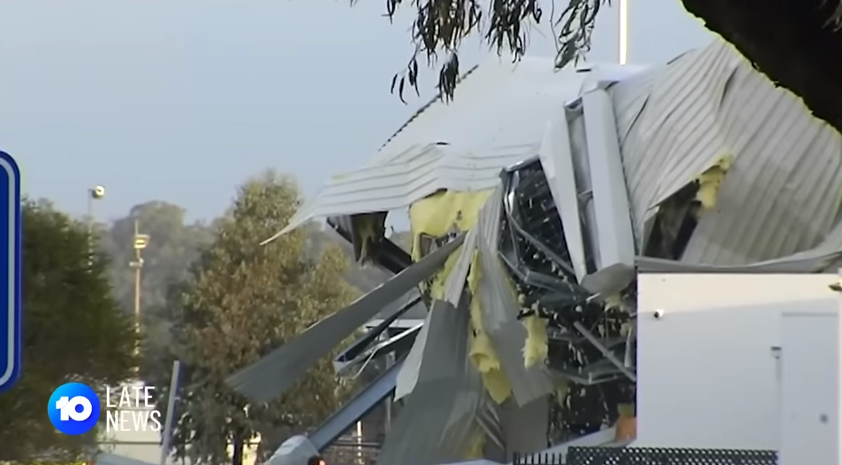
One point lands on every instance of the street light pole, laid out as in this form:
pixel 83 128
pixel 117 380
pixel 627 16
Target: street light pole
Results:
pixel 139 242
pixel 95 193
pixel 623 32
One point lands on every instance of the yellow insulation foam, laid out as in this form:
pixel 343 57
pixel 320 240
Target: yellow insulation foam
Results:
pixel 482 352
pixel 710 181
pixel 436 216
pixel 366 227
pixel 476 446
pixel 535 348
pixel 614 300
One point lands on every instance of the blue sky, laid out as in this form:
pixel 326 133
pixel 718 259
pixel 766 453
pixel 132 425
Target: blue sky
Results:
pixel 182 100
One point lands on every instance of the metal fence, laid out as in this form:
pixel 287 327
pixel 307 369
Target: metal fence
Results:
pixel 347 452
pixel 541 458
pixel 651 456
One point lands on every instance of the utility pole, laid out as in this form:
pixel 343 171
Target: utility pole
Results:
pixel 94 194
pixel 139 242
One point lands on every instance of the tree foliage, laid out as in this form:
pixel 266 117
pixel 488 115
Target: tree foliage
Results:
pixel 795 44
pixel 240 301
pixel 73 330
pixel 441 25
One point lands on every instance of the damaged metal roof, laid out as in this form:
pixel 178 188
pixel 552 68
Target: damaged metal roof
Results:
pixel 674 122
pixel 272 375
pixel 497 119
pixel 782 192
pixel 697 165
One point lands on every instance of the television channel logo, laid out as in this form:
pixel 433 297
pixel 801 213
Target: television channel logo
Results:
pixel 74 409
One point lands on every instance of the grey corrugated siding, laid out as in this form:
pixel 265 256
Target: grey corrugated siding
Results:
pixel 500 310
pixel 269 377
pixel 396 184
pixel 433 101
pixel 782 193
pixel 436 421
pixel 497 119
pixel 499 105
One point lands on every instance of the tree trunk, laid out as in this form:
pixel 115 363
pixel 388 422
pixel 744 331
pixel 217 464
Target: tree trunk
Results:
pixel 238 446
pixel 791 41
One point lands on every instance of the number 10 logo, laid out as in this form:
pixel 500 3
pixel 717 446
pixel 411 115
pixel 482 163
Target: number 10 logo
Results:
pixel 74 408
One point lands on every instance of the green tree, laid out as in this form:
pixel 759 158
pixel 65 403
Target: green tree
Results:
pixel 241 301
pixel 795 44
pixel 73 330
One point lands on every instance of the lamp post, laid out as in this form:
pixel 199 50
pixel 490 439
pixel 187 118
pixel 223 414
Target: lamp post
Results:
pixel 623 32
pixel 139 242
pixel 95 193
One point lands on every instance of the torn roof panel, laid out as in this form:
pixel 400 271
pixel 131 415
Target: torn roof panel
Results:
pixel 672 140
pixel 709 104
pixel 782 194
pixel 498 119
pixel 501 104
pixel 399 183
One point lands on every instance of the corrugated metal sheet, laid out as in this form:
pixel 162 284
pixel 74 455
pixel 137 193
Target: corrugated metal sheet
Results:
pixel 437 420
pixel 420 171
pixel 424 108
pixel 782 193
pixel 778 205
pixel 436 360
pixel 270 376
pixel 500 310
pixel 497 119
pixel 499 105
pixel 408 376
pixel 824 257
pixel 525 427
pixel 421 353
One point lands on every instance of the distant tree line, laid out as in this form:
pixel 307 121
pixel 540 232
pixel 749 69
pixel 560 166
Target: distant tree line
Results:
pixel 211 297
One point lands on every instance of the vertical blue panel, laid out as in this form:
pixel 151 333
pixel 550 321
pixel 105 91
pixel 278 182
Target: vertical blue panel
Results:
pixel 10 268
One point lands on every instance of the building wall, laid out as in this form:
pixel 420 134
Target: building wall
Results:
pixel 810 388
pixel 707 374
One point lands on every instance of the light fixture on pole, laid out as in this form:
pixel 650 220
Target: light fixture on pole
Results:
pixel 95 193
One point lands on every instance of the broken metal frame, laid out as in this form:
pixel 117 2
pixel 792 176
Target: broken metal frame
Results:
pixel 533 249
pixel 605 352
pixel 365 401
pixel 273 374
pixel 363 344
pixel 565 291
pixel 562 288
pixel 400 343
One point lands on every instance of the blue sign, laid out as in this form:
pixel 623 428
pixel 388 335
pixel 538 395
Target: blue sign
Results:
pixel 10 250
